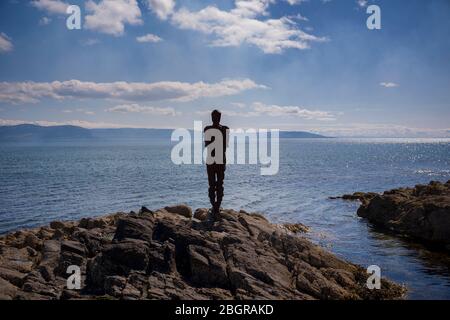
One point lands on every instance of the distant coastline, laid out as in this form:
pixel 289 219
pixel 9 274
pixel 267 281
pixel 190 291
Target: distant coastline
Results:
pixel 35 134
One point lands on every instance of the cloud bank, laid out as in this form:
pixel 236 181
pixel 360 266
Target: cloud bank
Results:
pixel 32 92
pixel 272 110
pixel 136 108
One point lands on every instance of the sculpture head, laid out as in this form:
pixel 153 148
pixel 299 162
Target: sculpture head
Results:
pixel 216 116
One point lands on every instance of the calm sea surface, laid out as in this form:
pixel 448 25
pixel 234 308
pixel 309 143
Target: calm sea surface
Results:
pixel 41 184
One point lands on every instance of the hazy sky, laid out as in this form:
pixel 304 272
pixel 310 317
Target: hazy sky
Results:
pixel 309 65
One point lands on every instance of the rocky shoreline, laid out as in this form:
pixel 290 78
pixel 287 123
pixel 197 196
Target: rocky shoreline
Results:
pixel 172 254
pixel 421 213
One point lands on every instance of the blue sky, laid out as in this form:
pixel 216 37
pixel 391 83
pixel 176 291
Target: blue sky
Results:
pixel 309 65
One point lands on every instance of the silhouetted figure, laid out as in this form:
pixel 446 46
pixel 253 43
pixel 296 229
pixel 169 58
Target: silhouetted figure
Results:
pixel 216 161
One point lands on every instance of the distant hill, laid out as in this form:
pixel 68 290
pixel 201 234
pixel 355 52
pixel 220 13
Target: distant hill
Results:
pixel 29 133
pixel 34 134
pixel 299 134
pixel 131 134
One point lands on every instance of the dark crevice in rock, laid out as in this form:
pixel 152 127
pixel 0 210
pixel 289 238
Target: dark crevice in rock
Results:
pixel 182 260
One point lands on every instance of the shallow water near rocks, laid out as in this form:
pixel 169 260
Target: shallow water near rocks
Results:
pixel 44 183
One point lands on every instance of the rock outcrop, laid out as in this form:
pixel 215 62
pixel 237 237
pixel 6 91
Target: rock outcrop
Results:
pixel 166 254
pixel 361 196
pixel 422 212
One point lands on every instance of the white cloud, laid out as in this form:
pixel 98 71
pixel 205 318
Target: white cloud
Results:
pixel 89 42
pixel 276 110
pixel 246 24
pixel 44 21
pixel 362 3
pixel 389 84
pixel 31 92
pixel 110 17
pixel 80 110
pixel 78 123
pixel 251 8
pixel 374 130
pixel 148 38
pixel 238 104
pixel 5 43
pixel 293 2
pixel 298 17
pixel 51 6
pixel 162 8
pixel 136 108
pixel 261 109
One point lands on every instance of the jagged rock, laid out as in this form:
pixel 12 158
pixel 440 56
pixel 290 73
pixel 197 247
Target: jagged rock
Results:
pixel 56 225
pixel 45 233
pixel 89 223
pixel 201 214
pixel 7 290
pixel 36 284
pixel 181 209
pixel 33 241
pixel 51 247
pixel 13 276
pixel 208 266
pixel 73 247
pixel 422 212
pixel 16 259
pixel 58 234
pixel 91 241
pixel 47 272
pixel 117 259
pixel 68 259
pixel 130 292
pixel 162 255
pixel 67 294
pixel 134 227
pixel 114 285
pixel 363 197
pixel 145 210
pixel 50 253
pixel 131 254
pixel 296 227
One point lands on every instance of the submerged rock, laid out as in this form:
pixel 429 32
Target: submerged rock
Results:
pixel 357 196
pixel 168 255
pixel 422 212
